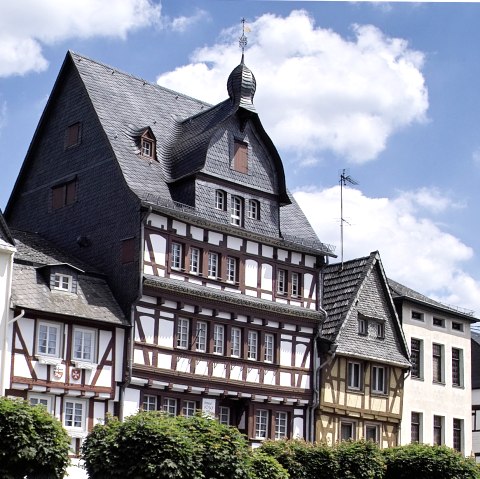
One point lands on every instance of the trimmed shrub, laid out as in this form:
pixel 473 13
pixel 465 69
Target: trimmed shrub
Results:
pixel 263 466
pixel 32 442
pixel 359 460
pixel 428 462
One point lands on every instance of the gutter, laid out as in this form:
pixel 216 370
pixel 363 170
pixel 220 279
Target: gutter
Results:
pixel 131 335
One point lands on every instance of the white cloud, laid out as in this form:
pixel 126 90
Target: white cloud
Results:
pixel 3 114
pixel 181 24
pixel 415 251
pixel 27 24
pixel 316 91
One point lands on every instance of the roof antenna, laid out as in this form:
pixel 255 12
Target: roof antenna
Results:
pixel 344 179
pixel 242 41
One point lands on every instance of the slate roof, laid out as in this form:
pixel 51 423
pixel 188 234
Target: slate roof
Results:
pixel 30 288
pixel 182 126
pixel 351 289
pixel 6 238
pixel 400 291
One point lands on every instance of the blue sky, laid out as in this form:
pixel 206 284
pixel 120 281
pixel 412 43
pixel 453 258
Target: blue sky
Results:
pixel 389 91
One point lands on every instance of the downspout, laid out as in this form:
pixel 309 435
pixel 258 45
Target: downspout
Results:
pixel 131 336
pixel 4 320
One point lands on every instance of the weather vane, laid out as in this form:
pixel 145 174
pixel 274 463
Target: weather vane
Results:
pixel 242 41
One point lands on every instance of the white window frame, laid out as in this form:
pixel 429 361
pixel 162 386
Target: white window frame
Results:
pixel 82 356
pixel 281 424
pixel 253 209
pixel 295 284
pixel 236 210
pixel 70 424
pixel 236 342
pixel 379 379
pixel 177 255
pixel 189 408
pixel 41 400
pixel 169 405
pixel 213 262
pixel 354 375
pixel 224 415
pixel 62 282
pixel 218 339
pixel 352 426
pixel 261 424
pixel 149 402
pixel 269 347
pixel 220 200
pixel 252 343
pixel 194 260
pixel 201 336
pixel 281 281
pixel 231 269
pixel 147 148
pixel 183 332
pixel 58 339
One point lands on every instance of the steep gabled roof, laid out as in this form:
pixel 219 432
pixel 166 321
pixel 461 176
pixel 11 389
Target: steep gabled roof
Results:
pixel 31 290
pixel 345 294
pixel 403 292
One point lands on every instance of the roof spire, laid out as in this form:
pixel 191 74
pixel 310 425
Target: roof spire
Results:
pixel 242 41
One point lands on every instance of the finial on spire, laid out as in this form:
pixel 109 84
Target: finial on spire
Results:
pixel 242 41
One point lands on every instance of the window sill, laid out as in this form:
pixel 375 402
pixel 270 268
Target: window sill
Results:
pixel 438 383
pixel 84 364
pixel 49 360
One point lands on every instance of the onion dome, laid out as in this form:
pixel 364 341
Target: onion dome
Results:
pixel 241 87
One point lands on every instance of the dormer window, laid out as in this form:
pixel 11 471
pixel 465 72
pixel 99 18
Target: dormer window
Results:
pixel 146 143
pixel 62 282
pixel 147 147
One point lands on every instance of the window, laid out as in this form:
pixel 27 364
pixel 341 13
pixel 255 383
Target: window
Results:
pixel 201 337
pixel 220 200
pixel 212 265
pixel 40 400
pixel 240 157
pixel 362 326
pixel 64 194
pixel 416 357
pixel 437 430
pixel 218 338
pixel 182 333
pixel 457 434
pixel 354 380
pixel 236 211
pixel 417 316
pixel 261 424
pixel 194 260
pixel 269 347
pixel 83 344
pixel 252 345
pixel 281 425
pixel 72 135
pixel 62 282
pixel 177 256
pixel 457 326
pixel 281 281
pixel 231 269
pixel 48 341
pixel 235 342
pixel 379 375
pixel 371 433
pixel 439 322
pixel 74 414
pixel 347 431
pixel 457 367
pixel 224 415
pixel 170 406
pixel 147 147
pixel 149 402
pixel 437 360
pixel 380 330
pixel 189 408
pixel 253 211
pixel 295 284
pixel 415 425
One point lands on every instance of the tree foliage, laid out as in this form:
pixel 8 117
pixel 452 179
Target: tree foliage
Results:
pixel 32 442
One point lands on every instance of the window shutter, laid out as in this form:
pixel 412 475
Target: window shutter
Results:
pixel 240 158
pixel 58 195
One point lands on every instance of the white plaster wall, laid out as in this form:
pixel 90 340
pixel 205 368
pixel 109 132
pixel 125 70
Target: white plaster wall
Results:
pixel 131 402
pixel 428 398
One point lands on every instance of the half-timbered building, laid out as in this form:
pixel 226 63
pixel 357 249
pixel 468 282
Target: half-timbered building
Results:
pixel 184 207
pixel 364 356
pixel 65 338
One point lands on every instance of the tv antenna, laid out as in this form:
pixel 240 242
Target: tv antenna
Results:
pixel 345 179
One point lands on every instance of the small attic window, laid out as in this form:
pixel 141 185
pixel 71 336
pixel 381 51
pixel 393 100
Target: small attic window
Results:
pixel 147 144
pixel 240 157
pixel 73 135
pixel 62 282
